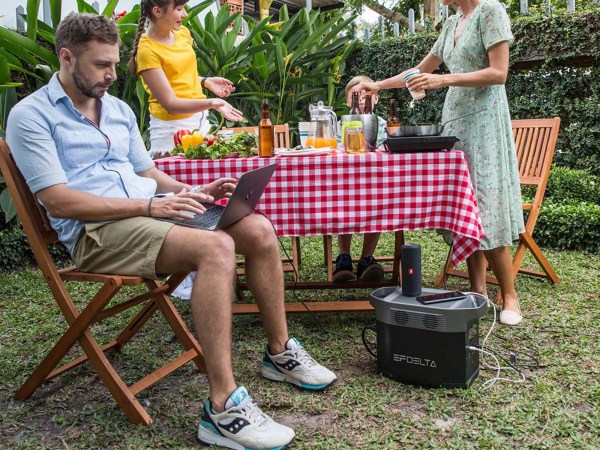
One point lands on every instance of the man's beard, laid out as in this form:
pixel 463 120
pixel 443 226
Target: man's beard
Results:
pixel 85 86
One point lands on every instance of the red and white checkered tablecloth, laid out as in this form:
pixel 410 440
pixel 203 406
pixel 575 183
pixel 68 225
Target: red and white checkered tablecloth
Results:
pixel 350 194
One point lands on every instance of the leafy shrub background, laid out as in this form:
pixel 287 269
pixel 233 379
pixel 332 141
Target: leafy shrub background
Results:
pixel 555 71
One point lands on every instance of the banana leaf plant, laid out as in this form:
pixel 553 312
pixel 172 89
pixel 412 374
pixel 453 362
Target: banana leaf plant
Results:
pixel 292 62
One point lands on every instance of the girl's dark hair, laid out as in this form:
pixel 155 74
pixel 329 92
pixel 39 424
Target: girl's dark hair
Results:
pixel 145 15
pixel 76 30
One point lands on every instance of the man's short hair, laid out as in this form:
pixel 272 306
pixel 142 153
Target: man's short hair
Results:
pixel 76 30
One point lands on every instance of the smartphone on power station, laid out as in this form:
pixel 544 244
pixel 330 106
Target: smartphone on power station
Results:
pixel 440 297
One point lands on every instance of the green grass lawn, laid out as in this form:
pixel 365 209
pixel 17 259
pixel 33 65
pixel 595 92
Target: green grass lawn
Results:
pixel 556 407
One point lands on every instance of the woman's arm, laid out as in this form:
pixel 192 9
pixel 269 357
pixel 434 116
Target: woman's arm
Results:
pixel 496 73
pixel 159 86
pixel 428 64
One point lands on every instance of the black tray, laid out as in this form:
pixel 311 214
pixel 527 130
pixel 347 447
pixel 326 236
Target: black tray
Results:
pixel 415 144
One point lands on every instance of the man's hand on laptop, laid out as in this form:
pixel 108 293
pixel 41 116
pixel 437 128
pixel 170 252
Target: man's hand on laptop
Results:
pixel 220 188
pixel 183 205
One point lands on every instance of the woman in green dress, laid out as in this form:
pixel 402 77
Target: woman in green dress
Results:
pixel 474 45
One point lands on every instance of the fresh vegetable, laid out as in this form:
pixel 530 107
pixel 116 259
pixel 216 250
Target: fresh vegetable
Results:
pixel 178 135
pixel 190 140
pixel 215 147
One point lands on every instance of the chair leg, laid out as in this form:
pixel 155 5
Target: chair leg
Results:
pixel 328 255
pixel 79 324
pixel 398 243
pixel 179 328
pixel 528 241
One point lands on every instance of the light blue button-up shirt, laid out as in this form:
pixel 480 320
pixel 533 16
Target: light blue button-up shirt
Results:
pixel 54 143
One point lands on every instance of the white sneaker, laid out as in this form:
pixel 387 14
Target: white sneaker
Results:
pixel 297 367
pixel 184 290
pixel 242 425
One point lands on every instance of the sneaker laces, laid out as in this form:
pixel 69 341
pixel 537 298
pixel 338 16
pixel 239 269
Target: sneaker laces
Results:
pixel 302 355
pixel 253 412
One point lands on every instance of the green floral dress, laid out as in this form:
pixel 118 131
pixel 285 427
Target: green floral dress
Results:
pixel 485 132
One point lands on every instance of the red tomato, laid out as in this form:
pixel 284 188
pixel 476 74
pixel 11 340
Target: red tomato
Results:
pixel 209 139
pixel 178 134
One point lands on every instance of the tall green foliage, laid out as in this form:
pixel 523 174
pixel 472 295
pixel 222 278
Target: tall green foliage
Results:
pixel 293 62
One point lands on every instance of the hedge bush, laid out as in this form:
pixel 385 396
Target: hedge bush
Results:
pixel 15 251
pixel 555 71
pixel 569 226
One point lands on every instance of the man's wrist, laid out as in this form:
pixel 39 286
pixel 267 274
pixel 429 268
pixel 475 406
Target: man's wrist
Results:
pixel 203 82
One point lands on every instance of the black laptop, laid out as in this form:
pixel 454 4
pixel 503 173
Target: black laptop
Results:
pixel 243 201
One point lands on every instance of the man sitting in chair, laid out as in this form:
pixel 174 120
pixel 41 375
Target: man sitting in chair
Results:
pixel 81 152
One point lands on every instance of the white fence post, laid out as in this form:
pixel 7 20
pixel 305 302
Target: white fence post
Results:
pixel 46 10
pixel 524 7
pixel 367 35
pixel 411 21
pixel 309 4
pixel 571 5
pixel 444 12
pixel 20 22
pixel 396 27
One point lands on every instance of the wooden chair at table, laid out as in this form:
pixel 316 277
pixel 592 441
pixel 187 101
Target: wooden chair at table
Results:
pixel 329 260
pixel 282 133
pixel 156 298
pixel 535 140
pixel 282 140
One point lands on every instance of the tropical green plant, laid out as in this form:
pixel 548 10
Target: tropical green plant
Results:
pixel 293 62
pixel 30 58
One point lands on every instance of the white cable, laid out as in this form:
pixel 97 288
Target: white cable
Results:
pixel 498 368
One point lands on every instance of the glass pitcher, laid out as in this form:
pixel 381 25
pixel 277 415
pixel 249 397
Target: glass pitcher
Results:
pixel 323 129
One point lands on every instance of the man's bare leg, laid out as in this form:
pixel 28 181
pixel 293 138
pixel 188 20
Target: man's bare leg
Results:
pixel 212 255
pixel 255 240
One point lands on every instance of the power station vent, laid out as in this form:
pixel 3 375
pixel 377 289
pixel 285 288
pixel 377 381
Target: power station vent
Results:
pixel 414 319
pixel 400 317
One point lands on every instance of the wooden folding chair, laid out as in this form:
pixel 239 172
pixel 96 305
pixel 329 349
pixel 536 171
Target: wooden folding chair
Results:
pixel 282 133
pixel 394 268
pixel 40 235
pixel 535 140
pixel 282 140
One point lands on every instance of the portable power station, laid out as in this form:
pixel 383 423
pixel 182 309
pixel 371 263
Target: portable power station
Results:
pixel 427 344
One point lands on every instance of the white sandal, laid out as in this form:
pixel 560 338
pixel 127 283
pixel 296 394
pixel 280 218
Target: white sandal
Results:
pixel 511 318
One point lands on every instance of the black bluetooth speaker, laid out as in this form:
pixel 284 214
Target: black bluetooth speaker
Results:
pixel 410 258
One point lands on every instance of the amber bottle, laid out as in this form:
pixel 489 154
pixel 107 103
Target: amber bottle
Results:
pixel 354 108
pixel 266 137
pixel 368 104
pixel 393 120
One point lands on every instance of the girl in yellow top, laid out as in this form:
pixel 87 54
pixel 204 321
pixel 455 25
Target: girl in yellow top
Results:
pixel 165 60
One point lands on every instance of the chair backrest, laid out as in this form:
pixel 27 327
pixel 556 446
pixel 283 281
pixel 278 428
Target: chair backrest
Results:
pixel 32 214
pixel 282 133
pixel 535 140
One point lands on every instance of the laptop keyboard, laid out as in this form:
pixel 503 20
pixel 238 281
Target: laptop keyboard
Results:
pixel 206 221
pixel 209 219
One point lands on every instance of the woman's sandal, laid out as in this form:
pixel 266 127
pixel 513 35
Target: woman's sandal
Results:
pixel 511 318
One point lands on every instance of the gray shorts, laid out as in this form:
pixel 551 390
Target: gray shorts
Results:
pixel 124 247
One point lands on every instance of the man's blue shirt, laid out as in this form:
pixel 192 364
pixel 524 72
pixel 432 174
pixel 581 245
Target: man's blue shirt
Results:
pixel 54 143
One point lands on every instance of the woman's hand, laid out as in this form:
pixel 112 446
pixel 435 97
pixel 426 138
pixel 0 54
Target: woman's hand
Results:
pixel 426 81
pixel 219 86
pixel 227 110
pixel 218 189
pixel 370 87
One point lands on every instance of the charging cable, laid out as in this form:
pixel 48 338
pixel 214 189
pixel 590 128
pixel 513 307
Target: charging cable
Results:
pixel 496 367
